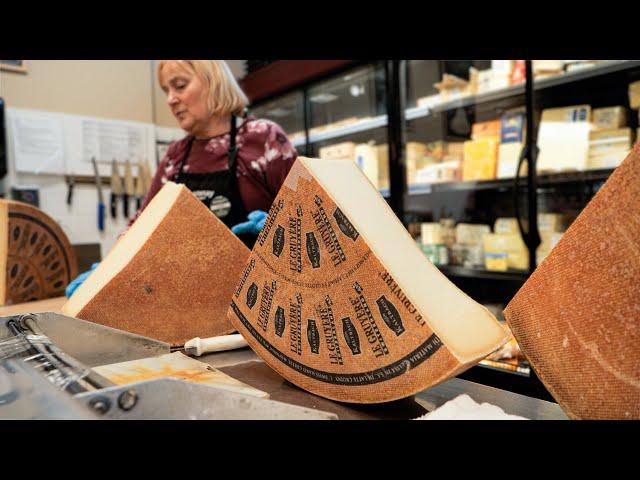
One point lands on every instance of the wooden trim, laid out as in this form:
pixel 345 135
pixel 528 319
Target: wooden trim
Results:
pixel 284 75
pixel 14 68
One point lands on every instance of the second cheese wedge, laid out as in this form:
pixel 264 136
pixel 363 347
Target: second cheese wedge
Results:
pixel 170 277
pixel 338 298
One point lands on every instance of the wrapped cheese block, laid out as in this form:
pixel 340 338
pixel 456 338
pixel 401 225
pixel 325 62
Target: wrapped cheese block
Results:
pixel 36 258
pixel 577 318
pixel 170 277
pixel 338 298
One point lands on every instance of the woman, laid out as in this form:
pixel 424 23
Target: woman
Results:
pixel 233 167
pixel 236 168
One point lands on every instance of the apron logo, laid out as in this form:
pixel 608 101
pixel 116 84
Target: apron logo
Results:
pixel 220 205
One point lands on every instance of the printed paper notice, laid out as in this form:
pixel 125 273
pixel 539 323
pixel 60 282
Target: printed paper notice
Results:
pixel 38 143
pixel 105 141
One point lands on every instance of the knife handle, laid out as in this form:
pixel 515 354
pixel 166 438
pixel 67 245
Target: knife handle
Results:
pixel 114 204
pixel 101 216
pixel 125 198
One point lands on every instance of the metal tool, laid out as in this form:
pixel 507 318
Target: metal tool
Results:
pixel 129 189
pixel 199 346
pixel 100 199
pixel 139 186
pixel 71 181
pixel 41 380
pixel 116 188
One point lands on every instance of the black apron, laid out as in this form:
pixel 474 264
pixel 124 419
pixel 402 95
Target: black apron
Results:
pixel 219 191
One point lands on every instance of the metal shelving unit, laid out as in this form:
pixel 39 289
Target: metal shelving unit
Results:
pixel 483 273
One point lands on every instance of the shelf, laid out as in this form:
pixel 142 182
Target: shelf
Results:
pixel 361 126
pixel 548 179
pixel 514 90
pixel 459 271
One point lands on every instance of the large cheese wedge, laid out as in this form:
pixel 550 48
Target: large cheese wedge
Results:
pixel 170 277
pixel 338 298
pixel 36 258
pixel 577 318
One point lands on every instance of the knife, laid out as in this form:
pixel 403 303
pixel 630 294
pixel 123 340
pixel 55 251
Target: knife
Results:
pixel 116 187
pixel 100 199
pixel 129 189
pixel 139 186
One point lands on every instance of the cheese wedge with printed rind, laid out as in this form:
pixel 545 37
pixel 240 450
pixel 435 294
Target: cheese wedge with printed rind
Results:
pixel 338 298
pixel 577 318
pixel 170 276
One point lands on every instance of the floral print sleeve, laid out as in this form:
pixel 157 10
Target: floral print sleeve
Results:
pixel 277 155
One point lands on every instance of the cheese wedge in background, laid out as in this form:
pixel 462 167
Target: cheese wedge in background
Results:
pixel 36 258
pixel 170 277
pixel 345 304
pixel 577 318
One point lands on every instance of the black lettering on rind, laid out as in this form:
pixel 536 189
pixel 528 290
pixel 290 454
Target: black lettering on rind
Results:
pixel 252 295
pixel 328 235
pixel 390 315
pixel 313 337
pixel 295 326
pixel 397 292
pixel 295 244
pixel 16 233
pixel 265 304
pixel 345 225
pixel 278 241
pixel 410 361
pixel 245 274
pixel 351 336
pixel 279 321
pixel 368 323
pixel 329 330
pixel 271 219
pixel 313 250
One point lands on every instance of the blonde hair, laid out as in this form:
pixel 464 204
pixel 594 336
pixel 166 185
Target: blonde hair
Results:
pixel 224 94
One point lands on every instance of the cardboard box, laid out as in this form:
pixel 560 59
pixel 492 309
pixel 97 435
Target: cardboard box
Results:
pixel 338 151
pixel 508 157
pixel 512 127
pixel 551 222
pixel 506 225
pixel 480 159
pixel 634 95
pixel 431 234
pixel 447 171
pixel 575 113
pixel 490 129
pixel 609 118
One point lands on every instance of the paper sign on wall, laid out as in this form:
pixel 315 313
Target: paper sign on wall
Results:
pixel 105 140
pixel 38 141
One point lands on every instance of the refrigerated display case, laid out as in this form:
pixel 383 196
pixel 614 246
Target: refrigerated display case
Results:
pixel 442 140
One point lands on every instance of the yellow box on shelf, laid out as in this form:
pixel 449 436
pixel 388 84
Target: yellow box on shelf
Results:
pixel 373 162
pixel 480 159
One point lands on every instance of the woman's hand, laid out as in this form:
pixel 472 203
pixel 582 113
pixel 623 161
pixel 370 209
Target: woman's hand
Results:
pixel 254 225
pixel 75 283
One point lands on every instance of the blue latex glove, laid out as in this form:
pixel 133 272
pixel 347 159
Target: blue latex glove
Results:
pixel 254 225
pixel 78 280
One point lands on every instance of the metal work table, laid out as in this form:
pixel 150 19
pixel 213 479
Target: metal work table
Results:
pixel 245 366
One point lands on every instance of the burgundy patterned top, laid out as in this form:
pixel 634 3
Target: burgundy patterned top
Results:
pixel 265 157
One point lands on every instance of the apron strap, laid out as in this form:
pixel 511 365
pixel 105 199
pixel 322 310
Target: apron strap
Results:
pixel 232 152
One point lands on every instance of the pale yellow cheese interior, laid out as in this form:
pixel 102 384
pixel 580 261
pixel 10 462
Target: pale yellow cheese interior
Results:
pixel 467 328
pixel 125 249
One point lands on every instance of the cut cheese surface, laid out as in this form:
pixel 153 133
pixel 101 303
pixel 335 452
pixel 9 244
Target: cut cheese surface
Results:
pixel 577 318
pixel 338 298
pixel 36 258
pixel 170 277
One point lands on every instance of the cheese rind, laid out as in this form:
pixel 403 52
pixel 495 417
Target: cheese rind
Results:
pixel 170 277
pixel 577 318
pixel 354 311
pixel 36 257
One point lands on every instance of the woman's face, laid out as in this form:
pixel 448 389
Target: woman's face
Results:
pixel 186 97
